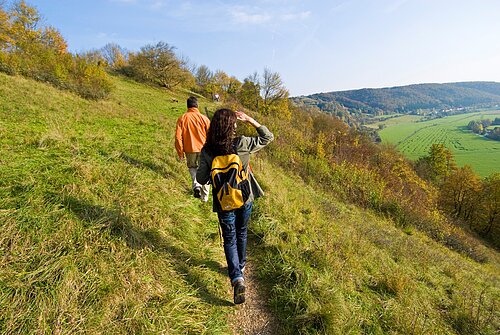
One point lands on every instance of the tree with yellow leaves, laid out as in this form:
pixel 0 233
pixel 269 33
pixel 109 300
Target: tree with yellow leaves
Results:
pixel 40 52
pixel 490 207
pixel 460 193
pixel 437 165
pixel 274 94
pixel 24 29
pixel 5 38
pixel 249 93
pixel 115 56
pixel 53 40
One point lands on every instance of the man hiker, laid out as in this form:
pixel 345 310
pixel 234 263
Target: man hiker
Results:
pixel 190 134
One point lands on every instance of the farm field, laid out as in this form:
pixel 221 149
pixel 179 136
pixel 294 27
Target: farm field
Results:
pixel 394 120
pixel 415 138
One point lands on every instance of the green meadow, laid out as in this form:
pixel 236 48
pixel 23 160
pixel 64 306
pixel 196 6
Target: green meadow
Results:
pixel 101 235
pixel 414 139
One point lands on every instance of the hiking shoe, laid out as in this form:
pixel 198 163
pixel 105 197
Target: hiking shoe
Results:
pixel 239 292
pixel 197 192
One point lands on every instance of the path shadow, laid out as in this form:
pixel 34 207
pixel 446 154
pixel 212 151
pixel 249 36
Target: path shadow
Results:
pixel 95 215
pixel 145 164
pixel 141 164
pixel 120 226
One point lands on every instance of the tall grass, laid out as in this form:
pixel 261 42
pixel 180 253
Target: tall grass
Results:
pixel 100 235
pixel 337 269
pixel 99 232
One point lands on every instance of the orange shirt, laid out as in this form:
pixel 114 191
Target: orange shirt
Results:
pixel 191 132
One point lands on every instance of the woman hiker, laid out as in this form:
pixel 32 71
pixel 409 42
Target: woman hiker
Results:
pixel 222 141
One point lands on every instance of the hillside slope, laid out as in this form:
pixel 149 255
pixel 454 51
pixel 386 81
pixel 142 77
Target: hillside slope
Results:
pixel 407 99
pixel 100 235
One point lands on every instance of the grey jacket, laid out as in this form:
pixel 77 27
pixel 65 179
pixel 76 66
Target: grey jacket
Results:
pixel 244 148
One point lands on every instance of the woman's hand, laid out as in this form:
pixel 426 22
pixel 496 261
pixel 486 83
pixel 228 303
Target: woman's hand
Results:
pixel 247 119
pixel 242 116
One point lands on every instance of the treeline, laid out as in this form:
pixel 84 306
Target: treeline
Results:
pixel 463 195
pixel 481 127
pixel 159 65
pixel 409 99
pixel 40 52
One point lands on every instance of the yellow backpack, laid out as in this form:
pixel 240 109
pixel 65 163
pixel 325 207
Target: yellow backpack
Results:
pixel 230 183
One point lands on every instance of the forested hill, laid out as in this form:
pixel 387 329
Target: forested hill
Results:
pixel 408 99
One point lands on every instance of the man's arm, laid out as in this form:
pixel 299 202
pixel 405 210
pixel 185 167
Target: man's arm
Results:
pixel 203 172
pixel 179 147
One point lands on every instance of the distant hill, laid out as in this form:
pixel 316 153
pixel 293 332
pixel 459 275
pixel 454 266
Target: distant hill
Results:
pixel 407 99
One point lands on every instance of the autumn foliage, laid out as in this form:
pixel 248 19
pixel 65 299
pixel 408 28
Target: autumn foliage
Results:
pixel 159 65
pixel 325 151
pixel 40 52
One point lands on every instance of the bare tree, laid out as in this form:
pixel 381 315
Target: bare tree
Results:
pixel 114 55
pixel 272 87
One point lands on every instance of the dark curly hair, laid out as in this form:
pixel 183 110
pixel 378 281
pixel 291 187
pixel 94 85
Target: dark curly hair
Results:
pixel 221 134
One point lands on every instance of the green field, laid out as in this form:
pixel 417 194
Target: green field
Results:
pixel 414 139
pixel 394 120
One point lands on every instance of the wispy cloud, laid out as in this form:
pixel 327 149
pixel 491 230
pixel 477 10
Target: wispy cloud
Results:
pixel 105 36
pixel 256 16
pixel 394 6
pixel 158 4
pixel 340 7
pixel 222 15
pixel 153 4
pixel 295 16
pixel 240 15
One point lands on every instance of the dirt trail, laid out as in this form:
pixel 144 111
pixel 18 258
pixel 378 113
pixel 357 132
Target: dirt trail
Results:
pixel 254 316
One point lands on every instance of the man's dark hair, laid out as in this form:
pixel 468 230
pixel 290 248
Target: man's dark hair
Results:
pixel 192 102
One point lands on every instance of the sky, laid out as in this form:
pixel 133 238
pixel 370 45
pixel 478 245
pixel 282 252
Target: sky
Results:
pixel 315 45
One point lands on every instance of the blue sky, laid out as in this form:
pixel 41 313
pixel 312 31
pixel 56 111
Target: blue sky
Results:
pixel 316 46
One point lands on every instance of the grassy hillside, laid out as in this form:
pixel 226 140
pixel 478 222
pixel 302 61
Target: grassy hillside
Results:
pixel 101 236
pixel 98 231
pixel 415 138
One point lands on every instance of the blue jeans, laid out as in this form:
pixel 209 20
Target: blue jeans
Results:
pixel 234 226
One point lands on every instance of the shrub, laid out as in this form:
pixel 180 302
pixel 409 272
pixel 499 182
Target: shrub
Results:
pixel 159 65
pixel 41 54
pixel 89 80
